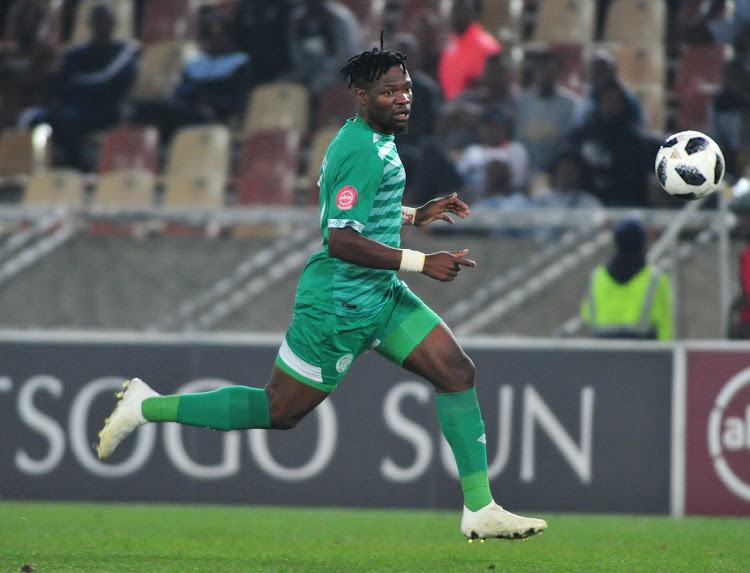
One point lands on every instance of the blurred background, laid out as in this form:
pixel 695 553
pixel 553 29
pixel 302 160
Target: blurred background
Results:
pixel 159 158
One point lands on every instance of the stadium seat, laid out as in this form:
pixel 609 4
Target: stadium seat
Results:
pixel 653 99
pixel 124 16
pixel 170 20
pixel 24 152
pixel 698 78
pixel 636 21
pixel 335 106
pixel 127 188
pixel 130 147
pixel 565 21
pixel 199 149
pixel 502 18
pixel 60 186
pixel 640 64
pixel 271 187
pixel 270 150
pixel 203 191
pixel 277 104
pixel 160 69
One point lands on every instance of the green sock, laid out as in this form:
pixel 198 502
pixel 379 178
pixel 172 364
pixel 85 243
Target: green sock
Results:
pixel 461 422
pixel 230 408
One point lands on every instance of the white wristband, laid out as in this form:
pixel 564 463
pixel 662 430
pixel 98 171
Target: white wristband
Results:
pixel 408 215
pixel 411 261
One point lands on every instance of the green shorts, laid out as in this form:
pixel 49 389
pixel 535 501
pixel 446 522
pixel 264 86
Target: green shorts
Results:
pixel 319 347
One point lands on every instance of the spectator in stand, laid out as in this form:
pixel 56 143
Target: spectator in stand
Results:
pixel 602 69
pixel 214 85
pixel 459 120
pixel 567 189
pixel 497 144
pixel 715 22
pixel 546 111
pixel 324 33
pixel 422 118
pixel 263 32
pixel 27 60
pixel 430 30
pixel 627 297
pixel 427 92
pixel 462 61
pixel 88 88
pixel 620 155
pixel 498 84
pixel 729 117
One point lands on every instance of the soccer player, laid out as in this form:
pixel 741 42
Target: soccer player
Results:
pixel 349 301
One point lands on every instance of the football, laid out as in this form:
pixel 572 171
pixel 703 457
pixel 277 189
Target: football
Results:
pixel 689 165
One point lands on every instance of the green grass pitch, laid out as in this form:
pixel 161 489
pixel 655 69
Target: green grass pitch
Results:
pixel 61 537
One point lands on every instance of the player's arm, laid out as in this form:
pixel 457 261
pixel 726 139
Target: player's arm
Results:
pixel 434 210
pixel 348 245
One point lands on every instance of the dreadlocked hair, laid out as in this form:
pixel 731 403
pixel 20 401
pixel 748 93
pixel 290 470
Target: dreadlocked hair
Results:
pixel 369 66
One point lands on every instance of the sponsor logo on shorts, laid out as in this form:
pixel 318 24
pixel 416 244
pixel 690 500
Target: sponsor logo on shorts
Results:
pixel 482 438
pixel 346 198
pixel 344 362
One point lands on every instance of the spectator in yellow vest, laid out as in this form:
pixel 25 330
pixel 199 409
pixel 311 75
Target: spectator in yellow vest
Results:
pixel 627 297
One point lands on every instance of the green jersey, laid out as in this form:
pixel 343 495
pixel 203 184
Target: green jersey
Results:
pixel 361 185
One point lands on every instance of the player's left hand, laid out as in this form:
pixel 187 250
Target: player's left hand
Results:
pixel 437 209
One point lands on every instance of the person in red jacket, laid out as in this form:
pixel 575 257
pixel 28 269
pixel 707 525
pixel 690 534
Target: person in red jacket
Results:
pixel 462 60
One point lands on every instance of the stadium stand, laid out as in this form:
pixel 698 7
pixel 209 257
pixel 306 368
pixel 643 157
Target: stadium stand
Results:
pixel 195 191
pixel 160 69
pixel 165 20
pixel 129 147
pixel 636 21
pixel 565 21
pixel 126 187
pixel 51 26
pixel 277 104
pixel 277 187
pixel 24 152
pixel 270 150
pixel 199 150
pixel 124 17
pixel 59 187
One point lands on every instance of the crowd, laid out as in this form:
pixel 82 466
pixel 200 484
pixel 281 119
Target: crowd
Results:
pixel 497 117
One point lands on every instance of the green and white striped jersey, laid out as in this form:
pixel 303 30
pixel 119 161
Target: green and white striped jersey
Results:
pixel 361 184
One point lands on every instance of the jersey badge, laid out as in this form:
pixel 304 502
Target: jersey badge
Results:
pixel 346 198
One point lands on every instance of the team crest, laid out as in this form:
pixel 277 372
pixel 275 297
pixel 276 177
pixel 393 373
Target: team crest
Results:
pixel 344 362
pixel 346 198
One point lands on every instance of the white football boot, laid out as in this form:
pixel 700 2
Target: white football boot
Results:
pixel 493 521
pixel 126 416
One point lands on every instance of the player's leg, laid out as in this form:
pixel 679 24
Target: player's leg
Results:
pixel 440 359
pixel 419 341
pixel 280 405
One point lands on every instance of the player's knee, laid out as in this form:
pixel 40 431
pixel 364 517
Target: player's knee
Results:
pixel 466 372
pixel 283 420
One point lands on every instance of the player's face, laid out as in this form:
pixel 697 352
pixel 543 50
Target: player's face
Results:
pixel 386 105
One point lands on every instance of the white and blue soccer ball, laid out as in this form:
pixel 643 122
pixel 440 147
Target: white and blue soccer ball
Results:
pixel 690 165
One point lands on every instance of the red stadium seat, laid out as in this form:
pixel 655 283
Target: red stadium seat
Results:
pixel 270 150
pixel 271 188
pixel 698 78
pixel 130 148
pixel 335 106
